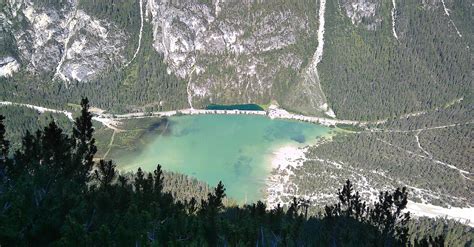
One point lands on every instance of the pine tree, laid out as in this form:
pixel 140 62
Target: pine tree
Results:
pixel 216 201
pixel 209 210
pixel 4 143
pixel 4 147
pixel 105 173
pixel 83 142
pixel 28 157
pixel 56 151
pixel 158 182
pixel 293 209
pixel 387 214
pixel 139 180
pixel 345 197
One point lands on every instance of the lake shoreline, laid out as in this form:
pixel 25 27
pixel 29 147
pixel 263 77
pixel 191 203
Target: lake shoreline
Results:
pixel 273 112
pixel 288 157
pixel 236 149
pixel 112 121
pixel 283 161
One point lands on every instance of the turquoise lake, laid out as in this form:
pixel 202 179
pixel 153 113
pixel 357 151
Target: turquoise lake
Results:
pixel 236 149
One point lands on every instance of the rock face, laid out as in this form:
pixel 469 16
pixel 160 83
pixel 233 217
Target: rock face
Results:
pixel 363 12
pixel 226 51
pixel 65 41
pixel 230 50
pixel 8 66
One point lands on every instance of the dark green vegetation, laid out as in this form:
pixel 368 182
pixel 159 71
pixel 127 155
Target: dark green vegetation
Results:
pixel 455 233
pixel 146 84
pixel 125 13
pixel 365 74
pixel 243 107
pixel 19 120
pixel 53 193
pixel 143 85
pixel 134 137
pixel 368 74
pixel 431 153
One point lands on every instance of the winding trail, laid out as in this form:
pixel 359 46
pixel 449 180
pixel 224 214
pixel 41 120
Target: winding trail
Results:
pixel 417 138
pixel 421 129
pixel 106 121
pixel 113 120
pixel 39 108
pixel 462 172
pixel 272 112
pixel 110 144
pixel 139 35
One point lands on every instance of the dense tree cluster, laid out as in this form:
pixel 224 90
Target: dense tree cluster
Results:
pixel 125 14
pixel 455 113
pixel 384 158
pixel 387 214
pixel 19 120
pixel 369 74
pixel 53 193
pixel 455 233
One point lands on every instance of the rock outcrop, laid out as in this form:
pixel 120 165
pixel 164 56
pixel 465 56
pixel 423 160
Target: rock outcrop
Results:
pixel 230 51
pixel 363 12
pixel 227 51
pixel 64 41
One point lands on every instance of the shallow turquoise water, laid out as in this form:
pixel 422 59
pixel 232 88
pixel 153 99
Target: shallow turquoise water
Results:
pixel 236 149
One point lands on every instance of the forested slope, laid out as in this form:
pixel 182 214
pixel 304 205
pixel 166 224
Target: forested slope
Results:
pixel 55 194
pixel 371 74
pixel 406 62
pixel 429 152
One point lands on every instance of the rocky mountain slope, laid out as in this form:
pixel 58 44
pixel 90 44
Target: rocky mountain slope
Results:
pixel 226 52
pixel 61 40
pixel 402 63
pixel 308 56
pixel 233 51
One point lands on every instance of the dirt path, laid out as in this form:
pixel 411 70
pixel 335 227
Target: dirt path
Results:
pixel 421 129
pixel 39 108
pixel 462 172
pixel 112 121
pixel 110 144
pixel 417 138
